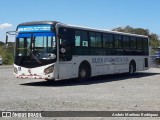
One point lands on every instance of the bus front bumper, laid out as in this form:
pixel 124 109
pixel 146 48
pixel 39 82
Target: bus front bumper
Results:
pixel 48 77
pixel 43 72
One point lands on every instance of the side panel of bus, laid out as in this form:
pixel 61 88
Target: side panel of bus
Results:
pixel 103 60
pixel 71 69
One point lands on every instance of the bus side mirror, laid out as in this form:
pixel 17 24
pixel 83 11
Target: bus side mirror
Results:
pixel 10 33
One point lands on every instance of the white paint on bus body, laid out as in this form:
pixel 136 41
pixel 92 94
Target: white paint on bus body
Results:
pixel 100 65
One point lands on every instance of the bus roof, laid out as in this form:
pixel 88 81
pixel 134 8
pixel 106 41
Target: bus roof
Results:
pixel 101 30
pixel 78 27
pixel 38 23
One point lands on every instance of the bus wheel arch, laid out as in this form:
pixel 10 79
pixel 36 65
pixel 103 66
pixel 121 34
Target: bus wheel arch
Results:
pixel 132 67
pixel 84 70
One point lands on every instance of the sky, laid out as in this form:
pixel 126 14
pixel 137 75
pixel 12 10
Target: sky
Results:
pixel 101 14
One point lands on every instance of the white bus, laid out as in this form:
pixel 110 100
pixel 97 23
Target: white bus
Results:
pixel 53 51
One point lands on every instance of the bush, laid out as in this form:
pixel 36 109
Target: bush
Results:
pixel 8 59
pixel 7 54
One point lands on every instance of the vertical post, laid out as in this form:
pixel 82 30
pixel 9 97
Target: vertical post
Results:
pixel 6 39
pixel 57 41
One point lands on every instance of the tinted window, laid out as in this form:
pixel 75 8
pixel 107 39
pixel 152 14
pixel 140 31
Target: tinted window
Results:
pixel 107 41
pixel 132 42
pixel 110 42
pixel 92 39
pixel 118 41
pixel 95 39
pixel 81 38
pixel 98 40
pixel 81 43
pixel 21 47
pixel 84 39
pixel 65 40
pixel 139 43
pixel 145 43
pixel 125 42
pixel 77 38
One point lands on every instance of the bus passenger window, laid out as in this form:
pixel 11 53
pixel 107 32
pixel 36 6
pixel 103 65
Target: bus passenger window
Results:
pixel 77 38
pixel 107 41
pixel 125 42
pixel 92 39
pixel 145 44
pixel 132 42
pixel 84 39
pixel 139 43
pixel 95 39
pixel 81 39
pixel 118 41
pixel 98 40
pixel 110 42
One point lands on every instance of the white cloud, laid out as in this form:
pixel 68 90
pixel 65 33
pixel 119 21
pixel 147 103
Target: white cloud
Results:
pixel 5 25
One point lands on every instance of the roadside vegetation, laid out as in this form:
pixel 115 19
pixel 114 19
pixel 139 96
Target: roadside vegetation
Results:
pixel 7 53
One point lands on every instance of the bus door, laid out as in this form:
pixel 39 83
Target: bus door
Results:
pixel 65 53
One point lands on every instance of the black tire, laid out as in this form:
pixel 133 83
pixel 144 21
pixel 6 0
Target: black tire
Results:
pixel 84 72
pixel 132 68
pixel 50 81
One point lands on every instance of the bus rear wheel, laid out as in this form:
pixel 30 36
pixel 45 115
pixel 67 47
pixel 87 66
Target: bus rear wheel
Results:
pixel 132 68
pixel 84 72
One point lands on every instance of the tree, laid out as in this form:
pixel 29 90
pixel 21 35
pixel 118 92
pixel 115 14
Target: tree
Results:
pixel 7 53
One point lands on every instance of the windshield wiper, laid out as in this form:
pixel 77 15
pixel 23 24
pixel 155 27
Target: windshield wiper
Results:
pixel 34 56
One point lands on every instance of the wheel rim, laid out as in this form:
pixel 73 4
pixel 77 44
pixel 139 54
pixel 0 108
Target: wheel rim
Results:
pixel 131 70
pixel 83 73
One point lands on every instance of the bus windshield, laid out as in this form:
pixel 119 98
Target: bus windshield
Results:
pixel 38 46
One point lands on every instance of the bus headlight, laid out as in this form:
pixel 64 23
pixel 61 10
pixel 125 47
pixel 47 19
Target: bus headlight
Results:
pixel 48 70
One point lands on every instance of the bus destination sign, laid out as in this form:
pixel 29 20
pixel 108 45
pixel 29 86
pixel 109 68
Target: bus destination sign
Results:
pixel 35 28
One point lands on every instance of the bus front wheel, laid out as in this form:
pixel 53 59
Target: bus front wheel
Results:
pixel 84 72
